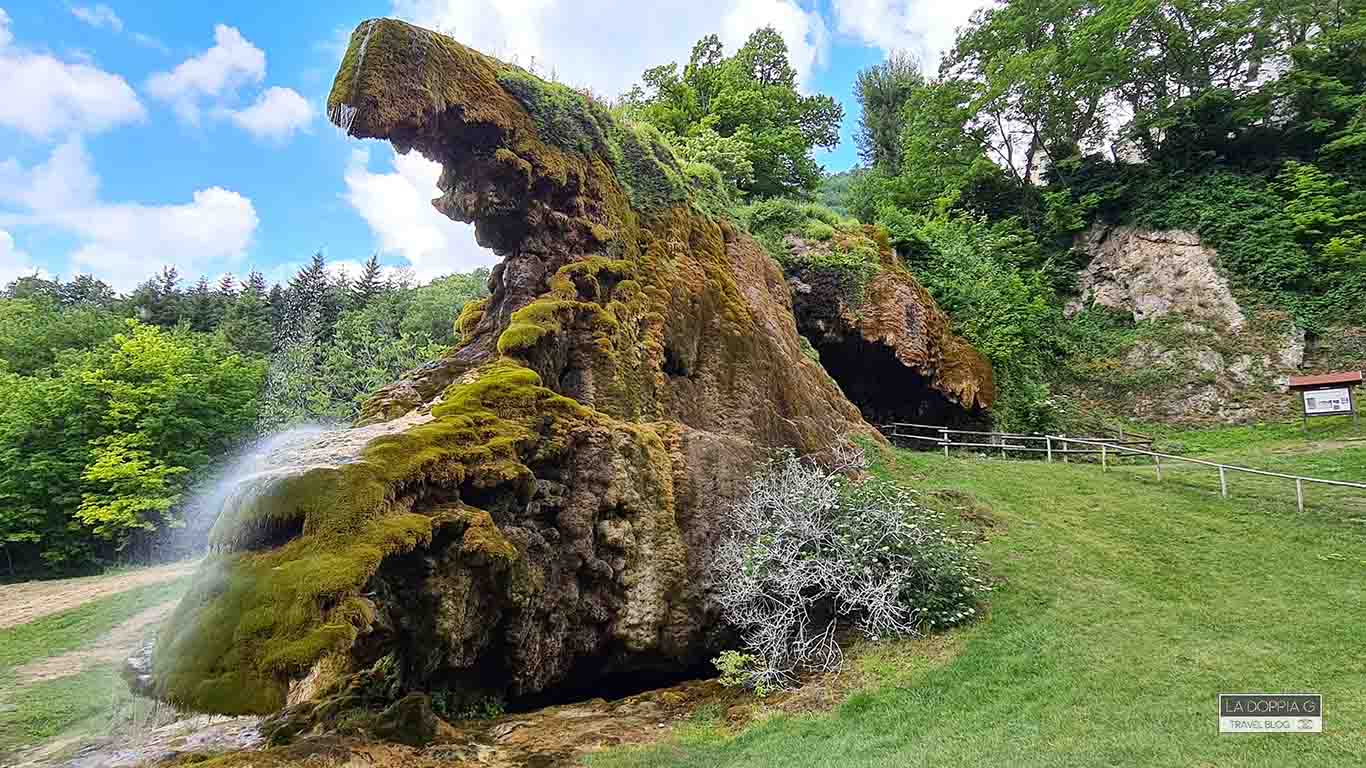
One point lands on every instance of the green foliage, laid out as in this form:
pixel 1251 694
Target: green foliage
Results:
pixel 737 671
pixel 96 451
pixel 729 155
pixel 35 331
pixel 742 113
pixel 831 245
pixel 109 422
pixel 432 309
pixel 834 190
pixel 980 274
pixel 883 91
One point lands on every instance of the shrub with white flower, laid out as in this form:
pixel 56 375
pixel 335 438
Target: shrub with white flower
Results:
pixel 814 547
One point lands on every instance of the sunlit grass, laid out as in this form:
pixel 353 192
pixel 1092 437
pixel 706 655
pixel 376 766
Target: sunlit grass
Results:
pixel 31 712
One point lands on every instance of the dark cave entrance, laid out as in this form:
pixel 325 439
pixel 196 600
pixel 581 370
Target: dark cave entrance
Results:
pixel 884 389
pixel 589 681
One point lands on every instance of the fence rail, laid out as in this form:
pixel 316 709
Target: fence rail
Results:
pixel 1005 442
pixel 1061 446
pixel 1224 469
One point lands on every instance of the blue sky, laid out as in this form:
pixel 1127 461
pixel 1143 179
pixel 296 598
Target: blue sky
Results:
pixel 134 135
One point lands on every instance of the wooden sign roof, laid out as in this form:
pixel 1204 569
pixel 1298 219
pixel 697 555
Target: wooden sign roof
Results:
pixel 1325 380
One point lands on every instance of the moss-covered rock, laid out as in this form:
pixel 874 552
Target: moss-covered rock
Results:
pixel 541 507
pixel 877 330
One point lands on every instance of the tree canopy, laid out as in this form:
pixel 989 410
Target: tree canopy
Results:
pixel 742 113
pixel 119 407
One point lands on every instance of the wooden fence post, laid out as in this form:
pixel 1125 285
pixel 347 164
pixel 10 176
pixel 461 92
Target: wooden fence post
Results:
pixel 1223 483
pixel 1157 461
pixel 1049 446
pixel 945 434
pixel 1104 463
pixel 1299 494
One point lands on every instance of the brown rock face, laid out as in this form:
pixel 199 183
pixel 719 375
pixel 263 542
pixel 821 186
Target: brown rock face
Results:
pixel 548 520
pixel 889 345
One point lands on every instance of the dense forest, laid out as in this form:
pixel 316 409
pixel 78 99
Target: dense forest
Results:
pixel 118 408
pixel 1243 121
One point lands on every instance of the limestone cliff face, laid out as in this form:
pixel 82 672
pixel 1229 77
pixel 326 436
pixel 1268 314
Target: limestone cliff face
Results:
pixel 1204 358
pixel 544 513
pixel 1155 273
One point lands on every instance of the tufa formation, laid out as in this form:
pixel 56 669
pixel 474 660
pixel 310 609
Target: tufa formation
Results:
pixel 534 513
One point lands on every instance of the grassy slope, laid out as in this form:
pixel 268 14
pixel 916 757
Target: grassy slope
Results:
pixel 1126 607
pixel 31 713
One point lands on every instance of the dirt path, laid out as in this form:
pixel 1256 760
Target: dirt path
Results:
pixel 115 646
pixel 22 603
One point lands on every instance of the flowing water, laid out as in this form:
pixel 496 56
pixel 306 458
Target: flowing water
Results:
pixel 142 731
pixel 277 456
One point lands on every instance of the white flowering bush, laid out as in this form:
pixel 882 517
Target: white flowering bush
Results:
pixel 812 548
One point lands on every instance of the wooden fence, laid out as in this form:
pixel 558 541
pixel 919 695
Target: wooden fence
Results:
pixel 1107 450
pixel 1124 444
pixel 1007 443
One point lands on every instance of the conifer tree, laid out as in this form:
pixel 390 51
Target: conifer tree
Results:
pixel 203 311
pixel 369 284
pixel 227 286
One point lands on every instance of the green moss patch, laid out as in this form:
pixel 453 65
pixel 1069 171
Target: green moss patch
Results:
pixel 253 620
pixel 810 238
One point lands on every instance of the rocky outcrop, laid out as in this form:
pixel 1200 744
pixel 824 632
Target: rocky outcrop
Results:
pixel 884 339
pixel 1155 273
pixel 536 513
pixel 1201 357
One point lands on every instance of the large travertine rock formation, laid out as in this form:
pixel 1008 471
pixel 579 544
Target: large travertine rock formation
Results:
pixel 886 342
pixel 537 509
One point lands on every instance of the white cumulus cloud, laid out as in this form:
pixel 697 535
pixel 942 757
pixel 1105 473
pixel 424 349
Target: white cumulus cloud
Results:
pixel 925 28
pixel 277 114
pixel 98 16
pixel 45 96
pixel 121 241
pixel 397 206
pixel 14 263
pixel 232 62
pixel 607 45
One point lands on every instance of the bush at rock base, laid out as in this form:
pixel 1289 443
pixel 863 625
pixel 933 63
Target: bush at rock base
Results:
pixel 813 548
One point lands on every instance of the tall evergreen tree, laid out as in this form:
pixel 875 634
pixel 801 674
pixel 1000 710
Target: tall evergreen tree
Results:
pixel 246 323
pixel 278 301
pixel 203 307
pixel 166 300
pixel 256 283
pixel 369 284
pixel 227 287
pixel 86 291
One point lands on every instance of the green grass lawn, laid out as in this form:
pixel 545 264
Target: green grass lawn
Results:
pixel 1125 606
pixel 90 699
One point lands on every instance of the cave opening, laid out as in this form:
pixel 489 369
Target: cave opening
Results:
pixel 612 684
pixel 883 388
